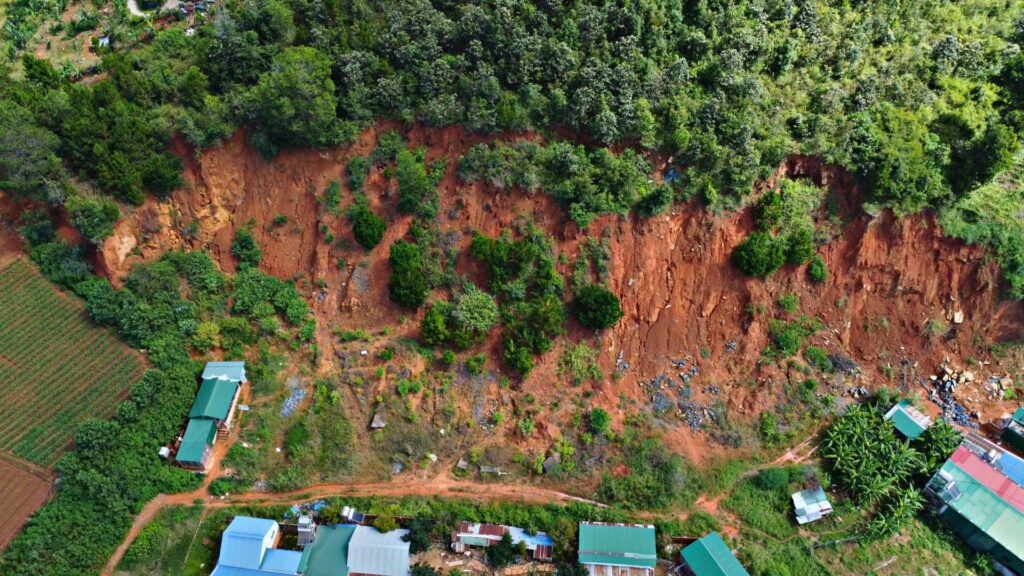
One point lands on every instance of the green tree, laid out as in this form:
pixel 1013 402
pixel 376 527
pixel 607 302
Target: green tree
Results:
pixel 501 553
pixel 474 313
pixel 434 325
pixel 294 102
pixel 597 307
pixel 29 166
pixel 93 217
pixel 416 194
pixel 817 271
pixel 600 421
pixel 759 254
pixel 407 285
pixel 385 523
pixel 367 227
pixel 245 248
pixel 419 535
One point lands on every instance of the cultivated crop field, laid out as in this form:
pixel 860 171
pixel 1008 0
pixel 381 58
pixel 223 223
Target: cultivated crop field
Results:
pixel 56 367
pixel 22 492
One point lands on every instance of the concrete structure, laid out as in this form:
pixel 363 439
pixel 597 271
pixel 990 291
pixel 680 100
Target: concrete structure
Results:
pixel 908 420
pixel 247 548
pixel 475 535
pixel 979 491
pixel 810 505
pixel 617 549
pixel 212 413
pixel 709 556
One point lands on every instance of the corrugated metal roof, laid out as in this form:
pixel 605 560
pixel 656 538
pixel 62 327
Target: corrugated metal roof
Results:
pixel 532 540
pixel 221 570
pixel 328 555
pixel 617 545
pixel 988 476
pixel 709 556
pixel 811 504
pixel 370 552
pixel 234 371
pixel 213 399
pixel 908 420
pixel 1019 415
pixel 277 561
pixel 199 434
pixel 1013 466
pixel 243 543
pixel 982 506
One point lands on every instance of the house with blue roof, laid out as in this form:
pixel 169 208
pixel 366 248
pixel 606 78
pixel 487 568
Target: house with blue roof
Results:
pixel 248 548
pixel 211 415
pixel 477 535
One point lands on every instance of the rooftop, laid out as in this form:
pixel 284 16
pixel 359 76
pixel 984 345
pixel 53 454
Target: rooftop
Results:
pixel 328 555
pixel 617 544
pixel 709 556
pixel 370 552
pixel 234 371
pixel 214 399
pixel 246 549
pixel 986 498
pixel 908 420
pixel 811 505
pixel 199 434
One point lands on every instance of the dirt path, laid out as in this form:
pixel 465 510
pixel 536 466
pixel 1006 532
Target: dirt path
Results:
pixel 441 485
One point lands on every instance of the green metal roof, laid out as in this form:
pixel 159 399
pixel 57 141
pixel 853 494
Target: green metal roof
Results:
pixel 328 554
pixel 1018 416
pixel 986 509
pixel 214 399
pixel 904 422
pixel 617 545
pixel 709 556
pixel 198 435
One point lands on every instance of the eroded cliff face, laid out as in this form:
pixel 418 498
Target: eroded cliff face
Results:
pixel 681 295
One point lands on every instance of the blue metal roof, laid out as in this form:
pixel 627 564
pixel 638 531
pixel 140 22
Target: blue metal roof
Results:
pixel 281 561
pixel 234 371
pixel 1013 467
pixel 535 539
pixel 242 545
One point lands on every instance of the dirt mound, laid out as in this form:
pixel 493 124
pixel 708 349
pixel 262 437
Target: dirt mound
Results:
pixel 891 280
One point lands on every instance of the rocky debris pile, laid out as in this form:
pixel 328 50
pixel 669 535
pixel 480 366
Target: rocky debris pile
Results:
pixel 731 346
pixel 292 401
pixel 948 382
pixel 858 392
pixel 696 415
pixel 842 363
pixel 619 363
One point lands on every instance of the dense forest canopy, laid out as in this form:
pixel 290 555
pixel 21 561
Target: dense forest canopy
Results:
pixel 920 98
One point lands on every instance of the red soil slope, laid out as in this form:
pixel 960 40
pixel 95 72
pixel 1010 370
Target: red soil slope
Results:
pixel 682 297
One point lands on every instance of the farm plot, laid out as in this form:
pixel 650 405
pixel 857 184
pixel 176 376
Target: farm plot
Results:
pixel 23 493
pixel 57 368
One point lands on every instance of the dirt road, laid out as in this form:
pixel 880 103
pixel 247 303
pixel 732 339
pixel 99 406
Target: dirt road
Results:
pixel 441 485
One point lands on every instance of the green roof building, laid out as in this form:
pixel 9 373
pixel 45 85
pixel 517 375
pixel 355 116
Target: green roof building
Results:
pixel 709 556
pixel 211 413
pixel 981 496
pixel 617 549
pixel 908 420
pixel 1013 434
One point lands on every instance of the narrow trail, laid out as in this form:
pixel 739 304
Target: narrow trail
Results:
pixel 441 485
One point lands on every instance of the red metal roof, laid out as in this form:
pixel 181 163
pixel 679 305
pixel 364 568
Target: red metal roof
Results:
pixel 481 529
pixel 989 477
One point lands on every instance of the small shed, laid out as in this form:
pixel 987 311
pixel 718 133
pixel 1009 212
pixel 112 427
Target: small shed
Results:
pixel 709 556
pixel 811 504
pixel 908 420
pixel 1013 434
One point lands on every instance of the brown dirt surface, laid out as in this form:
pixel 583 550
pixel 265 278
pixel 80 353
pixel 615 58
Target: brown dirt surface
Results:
pixel 24 488
pixel 681 294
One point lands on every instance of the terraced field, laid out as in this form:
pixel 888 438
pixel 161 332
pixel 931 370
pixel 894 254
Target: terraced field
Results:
pixel 57 368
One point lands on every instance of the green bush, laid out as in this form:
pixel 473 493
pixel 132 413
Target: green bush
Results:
pixel 407 285
pixel 600 421
pixel 332 196
pixel 817 271
pixel 597 307
pixel 416 192
pixel 358 169
pixel 818 358
pixel 93 217
pixel 759 254
pixel 772 479
pixel 367 227
pixel 245 248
